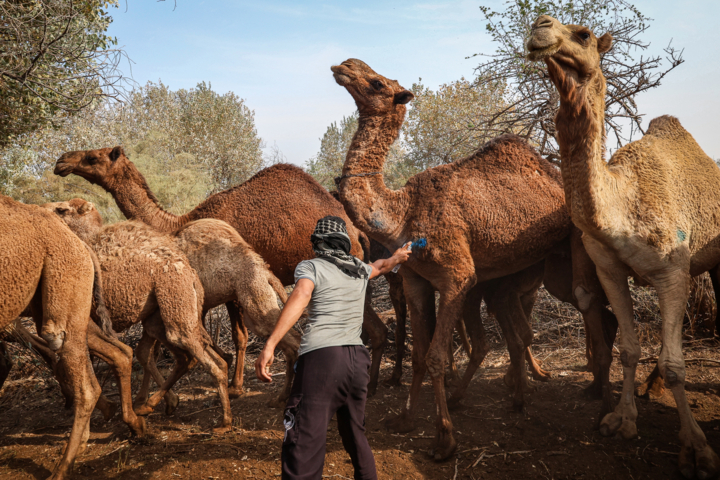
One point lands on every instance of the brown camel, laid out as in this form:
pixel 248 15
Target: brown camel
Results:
pixel 147 279
pixel 650 212
pixel 487 216
pixel 275 213
pixel 230 273
pixel 44 263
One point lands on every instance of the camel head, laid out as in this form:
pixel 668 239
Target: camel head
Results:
pixel 373 93
pixel 95 166
pixel 80 215
pixel 571 52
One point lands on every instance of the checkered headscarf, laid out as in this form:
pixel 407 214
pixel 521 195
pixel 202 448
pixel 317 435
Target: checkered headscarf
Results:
pixel 331 242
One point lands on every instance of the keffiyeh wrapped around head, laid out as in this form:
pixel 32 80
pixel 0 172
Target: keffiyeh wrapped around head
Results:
pixel 331 242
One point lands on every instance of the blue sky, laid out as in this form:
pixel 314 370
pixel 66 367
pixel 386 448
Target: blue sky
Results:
pixel 277 55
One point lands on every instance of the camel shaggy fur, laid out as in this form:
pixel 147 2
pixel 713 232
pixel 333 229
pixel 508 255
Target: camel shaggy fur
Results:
pixel 147 279
pixel 275 212
pixel 230 272
pixel 650 212
pixel 44 263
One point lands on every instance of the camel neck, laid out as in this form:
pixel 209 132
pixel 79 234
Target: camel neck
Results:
pixel 374 208
pixel 135 200
pixel 581 135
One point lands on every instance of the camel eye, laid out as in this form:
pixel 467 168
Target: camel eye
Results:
pixel 91 160
pixel 376 84
pixel 585 36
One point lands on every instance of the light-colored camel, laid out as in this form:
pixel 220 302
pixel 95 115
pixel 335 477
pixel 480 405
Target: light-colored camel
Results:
pixel 487 216
pixel 41 261
pixel 275 212
pixel 651 212
pixel 147 279
pixel 230 273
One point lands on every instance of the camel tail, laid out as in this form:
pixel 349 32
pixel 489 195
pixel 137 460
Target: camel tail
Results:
pixel 278 287
pixel 101 317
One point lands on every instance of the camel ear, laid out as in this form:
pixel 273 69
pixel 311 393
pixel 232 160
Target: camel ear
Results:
pixel 116 152
pixel 403 97
pixel 85 208
pixel 604 43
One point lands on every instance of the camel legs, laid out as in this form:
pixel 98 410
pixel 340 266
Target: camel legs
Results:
pixel 613 276
pixel 377 331
pixel 240 339
pixel 696 456
pixel 397 296
pixel 148 352
pixel 480 347
pixel 182 343
pixel 80 377
pixel 119 357
pixel 421 301
pixel 5 363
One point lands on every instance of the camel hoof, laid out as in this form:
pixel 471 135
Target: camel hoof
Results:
pixel 143 410
pixel 372 388
pixel 610 424
pixel 139 427
pixel 628 430
pixel 400 423
pixel 171 403
pixel 109 411
pixel 280 402
pixel 541 375
pixel 222 429
pixel 453 403
pixel 393 381
pixel 708 464
pixel 235 392
pixel 444 448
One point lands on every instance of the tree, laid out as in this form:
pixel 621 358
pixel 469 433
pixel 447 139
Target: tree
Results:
pixel 532 101
pixel 448 124
pixel 187 143
pixel 55 59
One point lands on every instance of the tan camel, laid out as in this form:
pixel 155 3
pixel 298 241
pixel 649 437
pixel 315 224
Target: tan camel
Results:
pixel 44 263
pixel 147 279
pixel 487 216
pixel 650 212
pixel 230 272
pixel 274 212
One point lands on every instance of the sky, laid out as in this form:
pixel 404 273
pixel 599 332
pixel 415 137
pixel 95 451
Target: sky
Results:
pixel 277 55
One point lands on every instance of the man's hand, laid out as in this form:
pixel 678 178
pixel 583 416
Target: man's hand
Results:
pixel 381 267
pixel 262 365
pixel 402 254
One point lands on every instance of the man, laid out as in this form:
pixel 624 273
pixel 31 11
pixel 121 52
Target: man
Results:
pixel 332 370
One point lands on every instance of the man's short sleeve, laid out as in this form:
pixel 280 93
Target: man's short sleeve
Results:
pixel 305 269
pixel 368 269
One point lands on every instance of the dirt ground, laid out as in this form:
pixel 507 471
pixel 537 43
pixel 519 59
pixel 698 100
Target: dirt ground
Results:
pixel 554 438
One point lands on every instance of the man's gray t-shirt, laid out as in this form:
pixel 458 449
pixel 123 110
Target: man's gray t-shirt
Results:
pixel 336 307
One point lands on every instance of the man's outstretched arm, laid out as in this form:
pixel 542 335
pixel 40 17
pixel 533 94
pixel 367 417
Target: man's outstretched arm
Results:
pixel 299 299
pixel 385 265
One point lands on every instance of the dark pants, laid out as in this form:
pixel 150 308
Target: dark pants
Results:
pixel 328 380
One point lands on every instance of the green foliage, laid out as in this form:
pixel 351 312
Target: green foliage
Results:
pixel 334 144
pixel 187 144
pixel 55 58
pixel 531 96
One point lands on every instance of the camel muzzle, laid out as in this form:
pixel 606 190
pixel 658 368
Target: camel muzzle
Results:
pixel 63 169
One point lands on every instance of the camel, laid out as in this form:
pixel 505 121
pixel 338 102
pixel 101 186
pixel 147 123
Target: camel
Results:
pixel 44 263
pixel 650 212
pixel 230 273
pixel 274 212
pixel 147 279
pixel 490 215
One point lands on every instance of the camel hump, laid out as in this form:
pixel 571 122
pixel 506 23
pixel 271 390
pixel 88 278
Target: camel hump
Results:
pixel 508 150
pixel 665 126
